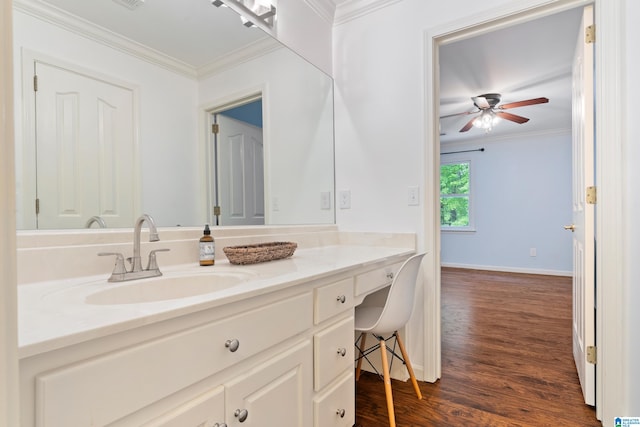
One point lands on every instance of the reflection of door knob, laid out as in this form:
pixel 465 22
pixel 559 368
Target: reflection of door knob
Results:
pixel 571 227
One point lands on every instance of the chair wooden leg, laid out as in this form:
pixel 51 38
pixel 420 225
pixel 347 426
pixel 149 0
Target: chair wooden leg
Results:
pixel 405 356
pixel 363 337
pixel 387 384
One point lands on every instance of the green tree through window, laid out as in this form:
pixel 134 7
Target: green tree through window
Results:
pixel 454 194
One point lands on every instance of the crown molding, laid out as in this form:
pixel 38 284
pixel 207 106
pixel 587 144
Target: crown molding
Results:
pixel 349 10
pixel 326 9
pixel 84 28
pixel 255 50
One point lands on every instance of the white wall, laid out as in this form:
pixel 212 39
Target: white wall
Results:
pixel 521 194
pixel 306 31
pixel 632 207
pixel 168 115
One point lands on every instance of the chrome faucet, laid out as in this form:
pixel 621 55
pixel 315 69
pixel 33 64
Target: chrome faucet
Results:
pixel 136 263
pixel 98 220
pixel 120 272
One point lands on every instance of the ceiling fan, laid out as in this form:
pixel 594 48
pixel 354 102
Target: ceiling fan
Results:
pixel 490 111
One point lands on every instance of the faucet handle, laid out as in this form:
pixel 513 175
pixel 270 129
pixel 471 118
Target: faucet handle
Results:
pixel 153 263
pixel 119 266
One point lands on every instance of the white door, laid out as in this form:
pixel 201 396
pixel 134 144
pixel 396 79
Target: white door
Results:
pixel 583 212
pixel 84 149
pixel 240 172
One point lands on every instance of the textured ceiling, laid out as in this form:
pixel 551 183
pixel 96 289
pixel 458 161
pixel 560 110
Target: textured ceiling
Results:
pixel 525 61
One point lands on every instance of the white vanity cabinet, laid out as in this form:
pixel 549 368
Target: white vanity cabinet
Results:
pixel 282 356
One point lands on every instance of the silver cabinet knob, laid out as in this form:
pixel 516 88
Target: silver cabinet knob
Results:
pixel 389 275
pixel 341 298
pixel 342 351
pixel 241 414
pixel 232 345
pixel 341 413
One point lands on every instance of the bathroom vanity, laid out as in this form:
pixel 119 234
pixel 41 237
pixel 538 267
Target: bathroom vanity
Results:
pixel 268 344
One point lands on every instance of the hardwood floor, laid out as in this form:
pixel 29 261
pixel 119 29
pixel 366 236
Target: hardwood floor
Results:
pixel 506 359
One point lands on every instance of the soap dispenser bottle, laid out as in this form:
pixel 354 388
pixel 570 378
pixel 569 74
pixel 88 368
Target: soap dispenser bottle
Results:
pixel 207 248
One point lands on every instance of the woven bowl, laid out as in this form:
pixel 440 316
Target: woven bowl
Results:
pixel 261 252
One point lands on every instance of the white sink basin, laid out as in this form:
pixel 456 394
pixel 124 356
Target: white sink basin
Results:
pixel 164 288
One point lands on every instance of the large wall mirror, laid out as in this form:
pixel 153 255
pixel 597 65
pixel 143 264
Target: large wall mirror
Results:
pixel 121 118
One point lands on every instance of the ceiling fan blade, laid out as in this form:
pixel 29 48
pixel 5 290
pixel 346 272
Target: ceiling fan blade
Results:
pixel 466 113
pixel 512 117
pixel 481 102
pixel 533 101
pixel 469 125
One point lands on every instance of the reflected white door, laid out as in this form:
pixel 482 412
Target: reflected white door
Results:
pixel 240 176
pixel 84 149
pixel 583 211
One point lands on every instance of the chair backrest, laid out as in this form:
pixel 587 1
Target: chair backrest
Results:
pixel 400 300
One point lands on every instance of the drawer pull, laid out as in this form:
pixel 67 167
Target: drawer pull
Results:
pixel 390 275
pixel 341 413
pixel 341 298
pixel 342 351
pixel 241 414
pixel 232 345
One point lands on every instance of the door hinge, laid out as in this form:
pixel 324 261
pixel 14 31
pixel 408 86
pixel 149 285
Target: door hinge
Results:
pixel 215 128
pixel 592 195
pixel 216 210
pixel 37 206
pixel 590 34
pixel 591 354
pixel 35 83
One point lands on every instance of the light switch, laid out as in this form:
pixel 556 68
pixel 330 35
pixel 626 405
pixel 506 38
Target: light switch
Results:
pixel 325 200
pixel 345 199
pixel 414 196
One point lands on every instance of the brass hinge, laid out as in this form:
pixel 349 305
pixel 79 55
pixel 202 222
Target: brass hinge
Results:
pixel 590 34
pixel 37 206
pixel 592 195
pixel 215 128
pixel 591 354
pixel 35 83
pixel 216 210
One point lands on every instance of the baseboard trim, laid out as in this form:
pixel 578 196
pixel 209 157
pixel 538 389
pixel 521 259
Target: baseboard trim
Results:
pixel 509 269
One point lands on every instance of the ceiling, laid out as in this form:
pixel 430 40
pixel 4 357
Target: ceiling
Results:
pixel 193 32
pixel 525 61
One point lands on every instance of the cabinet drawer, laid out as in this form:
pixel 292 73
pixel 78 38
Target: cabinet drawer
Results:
pixel 375 279
pixel 333 299
pixel 204 410
pixel 333 352
pixel 101 390
pixel 335 407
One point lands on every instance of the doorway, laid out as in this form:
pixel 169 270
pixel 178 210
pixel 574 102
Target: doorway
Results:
pixel 433 158
pixel 237 163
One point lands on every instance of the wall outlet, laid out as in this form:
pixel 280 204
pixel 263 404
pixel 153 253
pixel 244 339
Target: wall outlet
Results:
pixel 275 204
pixel 344 199
pixel 325 200
pixel 533 252
pixel 414 196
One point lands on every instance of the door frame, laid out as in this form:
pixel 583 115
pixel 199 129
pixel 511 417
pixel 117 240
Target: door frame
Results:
pixel 208 144
pixel 610 262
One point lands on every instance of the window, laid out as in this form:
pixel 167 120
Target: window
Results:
pixel 455 204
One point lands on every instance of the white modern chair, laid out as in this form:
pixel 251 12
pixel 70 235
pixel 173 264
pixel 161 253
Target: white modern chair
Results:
pixel 386 321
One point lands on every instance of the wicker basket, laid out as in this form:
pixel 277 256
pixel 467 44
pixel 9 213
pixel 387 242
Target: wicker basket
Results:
pixel 261 252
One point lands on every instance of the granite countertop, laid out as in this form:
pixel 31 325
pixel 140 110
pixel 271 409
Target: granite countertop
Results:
pixel 57 314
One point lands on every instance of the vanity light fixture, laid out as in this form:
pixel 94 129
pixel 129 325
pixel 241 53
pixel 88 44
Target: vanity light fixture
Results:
pixel 252 11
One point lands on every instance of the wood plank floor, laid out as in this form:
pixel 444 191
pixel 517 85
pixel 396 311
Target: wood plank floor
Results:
pixel 506 359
